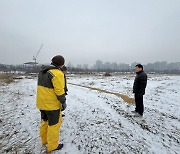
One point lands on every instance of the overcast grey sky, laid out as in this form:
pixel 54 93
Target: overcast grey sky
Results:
pixel 83 31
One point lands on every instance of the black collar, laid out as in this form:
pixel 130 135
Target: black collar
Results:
pixel 139 72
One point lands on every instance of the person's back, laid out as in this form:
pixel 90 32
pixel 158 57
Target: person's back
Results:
pixel 50 85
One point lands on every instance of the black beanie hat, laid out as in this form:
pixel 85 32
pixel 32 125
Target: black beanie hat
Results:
pixel 58 60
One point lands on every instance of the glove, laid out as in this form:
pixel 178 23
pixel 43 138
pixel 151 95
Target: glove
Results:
pixel 64 105
pixel 62 98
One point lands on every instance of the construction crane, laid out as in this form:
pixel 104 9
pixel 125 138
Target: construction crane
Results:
pixel 35 57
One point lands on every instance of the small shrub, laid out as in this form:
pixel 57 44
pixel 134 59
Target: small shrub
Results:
pixel 107 74
pixel 6 78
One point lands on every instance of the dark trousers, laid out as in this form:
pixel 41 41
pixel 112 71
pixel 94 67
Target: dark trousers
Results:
pixel 139 104
pixel 51 116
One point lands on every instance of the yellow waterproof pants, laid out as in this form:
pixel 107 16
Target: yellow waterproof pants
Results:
pixel 50 134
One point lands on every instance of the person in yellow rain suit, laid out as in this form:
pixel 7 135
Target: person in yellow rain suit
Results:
pixel 51 100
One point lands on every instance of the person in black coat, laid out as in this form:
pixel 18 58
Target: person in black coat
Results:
pixel 64 70
pixel 139 87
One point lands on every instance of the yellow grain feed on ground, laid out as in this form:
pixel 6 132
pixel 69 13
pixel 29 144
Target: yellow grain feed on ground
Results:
pixel 124 97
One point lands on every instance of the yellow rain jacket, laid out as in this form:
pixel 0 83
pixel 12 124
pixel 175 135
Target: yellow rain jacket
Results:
pixel 50 89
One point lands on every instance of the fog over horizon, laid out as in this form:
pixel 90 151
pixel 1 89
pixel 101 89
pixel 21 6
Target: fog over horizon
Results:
pixel 84 31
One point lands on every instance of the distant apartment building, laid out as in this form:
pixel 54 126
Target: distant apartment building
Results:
pixel 174 66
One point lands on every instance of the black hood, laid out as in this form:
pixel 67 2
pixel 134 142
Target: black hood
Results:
pixel 45 68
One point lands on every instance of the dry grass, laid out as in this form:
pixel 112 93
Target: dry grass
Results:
pixel 124 97
pixel 7 78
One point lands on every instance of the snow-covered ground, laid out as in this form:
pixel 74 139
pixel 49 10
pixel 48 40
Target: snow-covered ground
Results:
pixel 95 122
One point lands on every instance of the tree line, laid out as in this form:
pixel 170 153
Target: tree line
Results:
pixel 99 66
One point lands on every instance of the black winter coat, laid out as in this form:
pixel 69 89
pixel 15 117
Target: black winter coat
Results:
pixel 140 83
